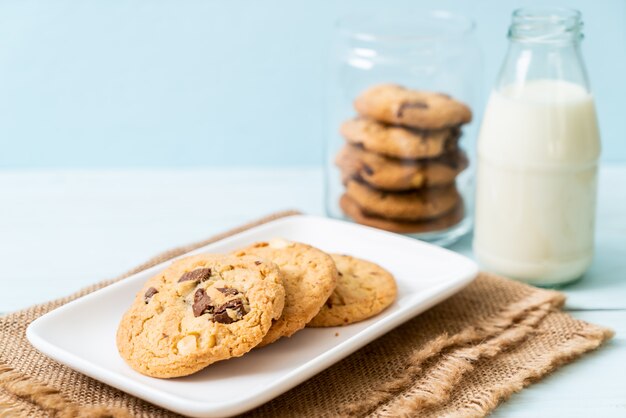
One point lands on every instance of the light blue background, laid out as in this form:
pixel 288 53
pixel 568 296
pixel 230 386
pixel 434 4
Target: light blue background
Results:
pixel 115 83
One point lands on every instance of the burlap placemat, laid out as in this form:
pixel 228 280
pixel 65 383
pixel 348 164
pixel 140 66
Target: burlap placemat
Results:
pixel 461 358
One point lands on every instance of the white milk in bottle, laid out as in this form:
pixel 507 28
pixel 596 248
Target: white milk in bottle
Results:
pixel 538 152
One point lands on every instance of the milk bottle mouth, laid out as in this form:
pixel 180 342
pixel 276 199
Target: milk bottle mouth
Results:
pixel 546 25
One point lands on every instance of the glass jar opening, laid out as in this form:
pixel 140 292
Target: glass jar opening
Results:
pixel 411 27
pixel 546 25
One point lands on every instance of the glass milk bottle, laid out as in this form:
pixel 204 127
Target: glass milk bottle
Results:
pixel 538 151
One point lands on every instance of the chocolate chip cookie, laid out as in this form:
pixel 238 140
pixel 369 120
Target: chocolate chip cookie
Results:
pixel 352 209
pixel 399 142
pixel 399 105
pixel 364 289
pixel 415 205
pixel 201 309
pixel 309 277
pixel 392 174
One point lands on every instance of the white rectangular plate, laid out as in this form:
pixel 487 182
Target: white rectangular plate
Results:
pixel 81 334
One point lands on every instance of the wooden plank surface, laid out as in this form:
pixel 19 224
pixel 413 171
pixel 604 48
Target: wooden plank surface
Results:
pixel 593 386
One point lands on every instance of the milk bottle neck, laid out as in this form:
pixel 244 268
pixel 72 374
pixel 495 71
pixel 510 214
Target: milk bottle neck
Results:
pixel 544 45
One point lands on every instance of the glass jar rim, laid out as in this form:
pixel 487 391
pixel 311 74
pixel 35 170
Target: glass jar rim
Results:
pixel 436 24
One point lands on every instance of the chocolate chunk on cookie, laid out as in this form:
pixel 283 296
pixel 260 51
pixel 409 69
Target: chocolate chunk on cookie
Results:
pixel 201 309
pixel 149 293
pixel 201 303
pixel 399 175
pixel 197 275
pixel 229 312
pixel 399 142
pixel 399 105
pixel 364 289
pixel 309 277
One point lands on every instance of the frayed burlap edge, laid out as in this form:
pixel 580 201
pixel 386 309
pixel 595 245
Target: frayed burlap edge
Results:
pixel 50 400
pixel 504 329
pixel 588 339
pixel 13 406
pixel 438 383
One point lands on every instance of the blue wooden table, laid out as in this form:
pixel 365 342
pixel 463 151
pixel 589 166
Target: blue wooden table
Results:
pixel 61 230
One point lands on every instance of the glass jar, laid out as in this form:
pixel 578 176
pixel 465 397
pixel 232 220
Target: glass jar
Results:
pixel 400 140
pixel 538 153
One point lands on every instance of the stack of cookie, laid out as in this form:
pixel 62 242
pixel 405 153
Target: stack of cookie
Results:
pixel 212 307
pixel 401 160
